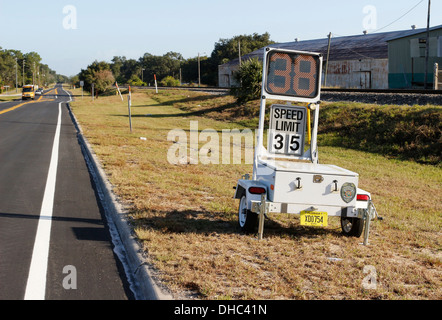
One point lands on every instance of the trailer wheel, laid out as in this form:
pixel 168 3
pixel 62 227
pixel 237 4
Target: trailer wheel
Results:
pixel 352 227
pixel 248 221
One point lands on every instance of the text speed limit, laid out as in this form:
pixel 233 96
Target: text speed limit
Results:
pixel 287 130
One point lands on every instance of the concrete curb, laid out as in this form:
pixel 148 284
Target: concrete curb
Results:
pixel 138 271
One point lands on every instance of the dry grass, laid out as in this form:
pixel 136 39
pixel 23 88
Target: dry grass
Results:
pixel 185 217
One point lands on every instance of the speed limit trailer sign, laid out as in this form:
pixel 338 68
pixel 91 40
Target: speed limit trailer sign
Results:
pixel 287 175
pixel 292 75
pixel 287 130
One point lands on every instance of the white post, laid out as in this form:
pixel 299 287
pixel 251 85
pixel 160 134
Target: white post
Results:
pixel 259 147
pixel 16 76
pixel 116 83
pixel 129 98
pixel 436 76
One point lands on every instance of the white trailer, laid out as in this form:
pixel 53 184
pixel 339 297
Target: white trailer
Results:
pixel 287 175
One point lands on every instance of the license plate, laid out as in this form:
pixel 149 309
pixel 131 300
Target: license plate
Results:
pixel 314 219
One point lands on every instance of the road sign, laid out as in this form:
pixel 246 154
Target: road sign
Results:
pixel 292 75
pixel 81 83
pixel 287 130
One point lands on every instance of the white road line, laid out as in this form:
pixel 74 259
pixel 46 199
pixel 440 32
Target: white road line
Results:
pixel 36 285
pixel 70 98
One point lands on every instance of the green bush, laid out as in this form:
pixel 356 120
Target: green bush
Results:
pixel 170 81
pixel 249 76
pixel 400 131
pixel 136 81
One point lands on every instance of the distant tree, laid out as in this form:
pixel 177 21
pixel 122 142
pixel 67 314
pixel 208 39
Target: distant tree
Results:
pixel 162 66
pixel 103 79
pixel 13 60
pixel 88 75
pixel 190 70
pixel 228 49
pixel 74 80
pixel 172 63
pixel 117 63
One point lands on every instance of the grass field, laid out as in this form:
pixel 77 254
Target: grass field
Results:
pixel 186 218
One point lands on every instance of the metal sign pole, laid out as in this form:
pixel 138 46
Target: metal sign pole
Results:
pixel 262 209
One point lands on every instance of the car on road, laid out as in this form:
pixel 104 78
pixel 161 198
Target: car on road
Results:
pixel 39 91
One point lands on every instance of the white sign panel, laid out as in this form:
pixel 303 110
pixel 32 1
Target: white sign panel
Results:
pixel 287 130
pixel 81 83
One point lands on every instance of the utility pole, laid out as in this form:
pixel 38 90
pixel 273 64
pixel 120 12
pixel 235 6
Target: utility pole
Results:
pixel 427 47
pixel 16 76
pixel 24 72
pixel 239 52
pixel 199 71
pixel 328 56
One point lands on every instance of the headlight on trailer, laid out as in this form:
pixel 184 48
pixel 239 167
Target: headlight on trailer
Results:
pixel 348 192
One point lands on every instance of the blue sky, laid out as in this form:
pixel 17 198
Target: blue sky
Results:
pixel 132 28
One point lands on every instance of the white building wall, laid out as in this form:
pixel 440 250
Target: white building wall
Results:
pixel 357 74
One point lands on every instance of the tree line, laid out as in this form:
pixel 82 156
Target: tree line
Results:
pixel 170 68
pixel 18 68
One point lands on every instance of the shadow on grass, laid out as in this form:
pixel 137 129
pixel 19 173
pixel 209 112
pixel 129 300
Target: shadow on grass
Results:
pixel 199 98
pixel 200 222
pixel 184 114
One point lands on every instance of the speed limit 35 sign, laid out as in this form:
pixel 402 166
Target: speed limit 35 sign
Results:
pixel 287 130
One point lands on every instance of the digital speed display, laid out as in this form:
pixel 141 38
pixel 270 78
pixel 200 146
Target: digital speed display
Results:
pixel 293 74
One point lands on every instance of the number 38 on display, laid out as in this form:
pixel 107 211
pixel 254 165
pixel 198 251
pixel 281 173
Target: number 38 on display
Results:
pixel 292 74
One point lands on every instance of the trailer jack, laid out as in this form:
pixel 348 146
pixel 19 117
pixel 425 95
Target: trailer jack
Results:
pixel 369 214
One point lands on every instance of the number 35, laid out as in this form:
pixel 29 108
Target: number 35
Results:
pixel 279 144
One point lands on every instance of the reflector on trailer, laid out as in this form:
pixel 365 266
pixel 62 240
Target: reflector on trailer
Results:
pixel 362 197
pixel 257 190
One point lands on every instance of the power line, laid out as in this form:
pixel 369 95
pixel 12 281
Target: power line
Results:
pixel 399 17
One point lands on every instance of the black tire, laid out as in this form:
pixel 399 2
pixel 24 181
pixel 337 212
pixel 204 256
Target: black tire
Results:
pixel 352 227
pixel 248 220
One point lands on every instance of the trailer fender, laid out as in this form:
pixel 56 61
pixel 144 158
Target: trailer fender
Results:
pixel 244 187
pixel 363 199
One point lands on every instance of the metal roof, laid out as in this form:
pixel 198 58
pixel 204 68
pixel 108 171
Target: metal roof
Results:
pixel 364 46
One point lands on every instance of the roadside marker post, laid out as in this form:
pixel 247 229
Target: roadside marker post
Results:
pixel 156 86
pixel 81 85
pixel 118 88
pixel 129 103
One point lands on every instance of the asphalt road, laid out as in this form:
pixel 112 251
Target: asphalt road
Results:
pixel 54 240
